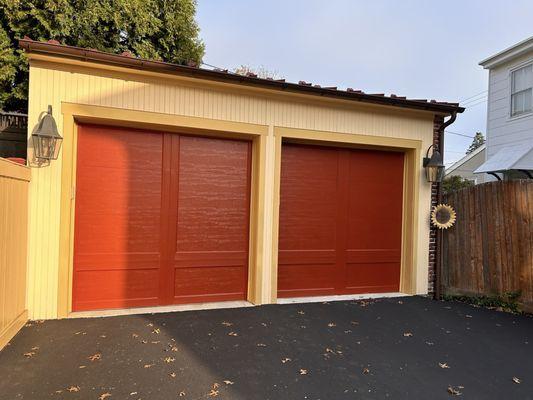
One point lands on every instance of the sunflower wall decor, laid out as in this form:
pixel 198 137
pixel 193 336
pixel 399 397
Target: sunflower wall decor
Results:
pixel 443 216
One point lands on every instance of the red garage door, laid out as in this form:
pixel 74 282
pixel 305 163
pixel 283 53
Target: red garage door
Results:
pixel 340 221
pixel 160 219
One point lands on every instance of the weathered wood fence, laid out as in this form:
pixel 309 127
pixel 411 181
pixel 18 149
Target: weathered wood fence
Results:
pixel 489 251
pixel 14 179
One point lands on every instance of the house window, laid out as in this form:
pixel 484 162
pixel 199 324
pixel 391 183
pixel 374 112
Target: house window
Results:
pixel 521 90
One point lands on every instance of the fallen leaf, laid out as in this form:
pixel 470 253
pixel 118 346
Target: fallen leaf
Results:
pixel 453 391
pixel 332 324
pixel 29 354
pixel 173 374
pixel 301 312
pixel 407 334
pixel 213 393
pixel 169 359
pixel 133 393
pixel 261 345
pixel 103 336
pixel 182 393
pixel 148 365
pixel 174 348
pixel 366 371
pixel 150 324
pixel 35 348
pixel 284 360
pixel 104 396
pixel 95 357
pixel 232 334
pixel 135 335
pixel 229 382
pixel 517 380
pixel 82 366
pixel 303 371
pixel 74 389
pixel 354 322
pixel 144 341
pixel 444 365
pixel 264 324
pixel 225 323
pixel 155 341
pixel 156 331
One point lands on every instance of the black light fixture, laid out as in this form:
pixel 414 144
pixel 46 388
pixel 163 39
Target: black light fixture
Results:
pixel 46 138
pixel 434 166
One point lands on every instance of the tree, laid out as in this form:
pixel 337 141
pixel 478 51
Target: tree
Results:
pixel 155 29
pixel 479 140
pixel 454 182
pixel 260 71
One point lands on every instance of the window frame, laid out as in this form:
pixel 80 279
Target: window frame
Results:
pixel 512 115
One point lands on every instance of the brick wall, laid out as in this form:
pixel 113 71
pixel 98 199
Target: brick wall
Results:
pixel 437 123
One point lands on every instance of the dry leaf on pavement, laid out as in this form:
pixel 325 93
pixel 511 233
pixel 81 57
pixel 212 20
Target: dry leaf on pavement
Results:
pixel 453 391
pixel 444 365
pixel 366 371
pixel 284 360
pixel 229 382
pixel 303 371
pixel 517 380
pixel 95 357
pixel 232 334
pixel 74 389
pixel 407 334
pixel 104 396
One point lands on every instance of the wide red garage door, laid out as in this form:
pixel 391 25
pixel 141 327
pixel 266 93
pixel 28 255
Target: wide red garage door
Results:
pixel 340 221
pixel 160 218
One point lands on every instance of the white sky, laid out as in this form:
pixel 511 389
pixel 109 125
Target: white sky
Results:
pixel 416 48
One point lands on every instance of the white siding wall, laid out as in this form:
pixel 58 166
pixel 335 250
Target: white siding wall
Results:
pixel 502 130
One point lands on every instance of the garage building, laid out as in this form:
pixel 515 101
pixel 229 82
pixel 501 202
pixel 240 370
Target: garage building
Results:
pixel 179 185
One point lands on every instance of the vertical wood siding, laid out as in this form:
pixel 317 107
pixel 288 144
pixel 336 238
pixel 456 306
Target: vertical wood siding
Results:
pixel 14 180
pixel 81 85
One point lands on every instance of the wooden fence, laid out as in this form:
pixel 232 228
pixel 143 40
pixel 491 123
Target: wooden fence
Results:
pixel 490 249
pixel 14 179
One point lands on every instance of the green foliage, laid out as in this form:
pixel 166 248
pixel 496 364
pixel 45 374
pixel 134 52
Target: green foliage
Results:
pixel 507 302
pixel 154 29
pixel 479 140
pixel 453 183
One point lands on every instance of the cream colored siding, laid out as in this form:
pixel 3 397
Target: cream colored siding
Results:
pixel 201 99
pixel 14 180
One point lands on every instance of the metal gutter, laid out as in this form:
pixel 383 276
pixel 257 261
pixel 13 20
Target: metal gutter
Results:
pixel 97 56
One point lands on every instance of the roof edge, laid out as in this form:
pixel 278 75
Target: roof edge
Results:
pixel 464 159
pixel 508 54
pixel 92 55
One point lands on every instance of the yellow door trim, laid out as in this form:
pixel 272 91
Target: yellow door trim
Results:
pixel 80 113
pixel 412 150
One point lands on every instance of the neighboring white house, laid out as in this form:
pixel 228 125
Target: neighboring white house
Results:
pixel 466 166
pixel 509 145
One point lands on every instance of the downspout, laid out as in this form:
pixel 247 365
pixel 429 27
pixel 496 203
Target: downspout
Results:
pixel 440 253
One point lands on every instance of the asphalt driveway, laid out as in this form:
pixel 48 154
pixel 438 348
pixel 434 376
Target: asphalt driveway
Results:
pixel 399 348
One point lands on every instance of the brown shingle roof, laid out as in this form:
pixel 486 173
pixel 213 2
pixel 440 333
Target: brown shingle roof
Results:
pixel 126 59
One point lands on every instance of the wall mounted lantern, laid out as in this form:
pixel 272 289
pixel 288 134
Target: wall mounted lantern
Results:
pixel 433 165
pixel 46 139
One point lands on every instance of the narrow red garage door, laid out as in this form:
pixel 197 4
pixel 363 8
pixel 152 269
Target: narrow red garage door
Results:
pixel 340 221
pixel 160 219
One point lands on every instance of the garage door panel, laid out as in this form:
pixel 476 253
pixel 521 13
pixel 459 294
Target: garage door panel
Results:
pixel 373 277
pixel 116 288
pixel 306 280
pixel 160 218
pixel 213 194
pixel 343 207
pixel 209 283
pixel 308 198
